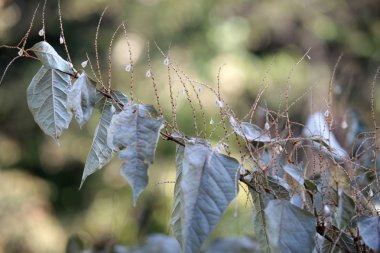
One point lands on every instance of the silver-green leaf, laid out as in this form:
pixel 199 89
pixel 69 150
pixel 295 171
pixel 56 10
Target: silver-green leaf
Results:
pixel 345 211
pixel 250 131
pixel 81 98
pixel 47 96
pixel 135 131
pixel 289 228
pixel 50 58
pixel 100 154
pixel 208 186
pixel 177 213
pixel 369 229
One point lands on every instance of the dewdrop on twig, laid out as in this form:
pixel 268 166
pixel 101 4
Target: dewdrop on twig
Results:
pixel 166 61
pixel 148 73
pixel 61 40
pixel 200 89
pixel 308 57
pixel 344 124
pixel 84 64
pixel 20 52
pixel 266 126
pixel 242 171
pixel 219 103
pixel 128 68
pixel 327 113
pixel 41 32
pixel 211 121
pixel 184 91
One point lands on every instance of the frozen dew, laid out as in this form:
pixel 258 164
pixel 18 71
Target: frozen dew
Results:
pixel 166 61
pixel 184 91
pixel 200 89
pixel 308 57
pixel 61 40
pixel 327 113
pixel 266 126
pixel 84 64
pixel 41 32
pixel 71 65
pixel 20 52
pixel 219 103
pixel 128 68
pixel 370 193
pixel 148 73
pixel 242 171
pixel 211 121
pixel 344 124
pixel 278 149
pixel 326 210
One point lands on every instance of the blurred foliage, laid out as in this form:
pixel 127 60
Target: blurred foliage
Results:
pixel 253 42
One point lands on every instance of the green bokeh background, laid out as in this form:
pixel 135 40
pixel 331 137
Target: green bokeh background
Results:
pixel 254 43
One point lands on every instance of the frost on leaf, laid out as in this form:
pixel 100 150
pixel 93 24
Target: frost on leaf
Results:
pixel 249 131
pixel 290 229
pixel 81 98
pixel 207 187
pixel 134 132
pixel 100 154
pixel 50 58
pixel 317 128
pixel 47 96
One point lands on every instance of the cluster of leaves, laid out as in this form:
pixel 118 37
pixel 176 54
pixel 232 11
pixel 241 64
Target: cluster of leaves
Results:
pixel 333 209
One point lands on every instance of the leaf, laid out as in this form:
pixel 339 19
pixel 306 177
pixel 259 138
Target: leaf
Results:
pixel 81 98
pixel 233 245
pixel 74 245
pixel 159 244
pixel 135 133
pixel 50 58
pixel 318 130
pixel 345 211
pixel 208 186
pixel 250 131
pixel 295 173
pixel 259 222
pixel 369 229
pixel 100 154
pixel 290 228
pixel 47 96
pixel 279 187
pixel 177 213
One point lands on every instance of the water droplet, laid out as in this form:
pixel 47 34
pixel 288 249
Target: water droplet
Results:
pixel 70 65
pixel 84 64
pixel 266 126
pixel 184 91
pixel 211 121
pixel 219 103
pixel 327 113
pixel 148 73
pixel 278 149
pixel 242 171
pixel 308 57
pixel 20 52
pixel 326 210
pixel 61 40
pixel 41 32
pixel 166 61
pixel 200 89
pixel 113 109
pixel 128 68
pixel 370 193
pixel 344 124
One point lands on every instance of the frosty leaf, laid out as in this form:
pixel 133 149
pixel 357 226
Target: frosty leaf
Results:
pixel 369 228
pixel 345 210
pixel 135 133
pixel 260 200
pixel 81 98
pixel 100 154
pixel 233 245
pixel 50 58
pixel 295 172
pixel 290 228
pixel 318 130
pixel 47 96
pixel 208 186
pixel 250 131
pixel 158 244
pixel 177 213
